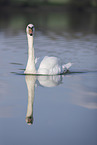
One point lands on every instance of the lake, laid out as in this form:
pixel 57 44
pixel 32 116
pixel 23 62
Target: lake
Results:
pixel 48 110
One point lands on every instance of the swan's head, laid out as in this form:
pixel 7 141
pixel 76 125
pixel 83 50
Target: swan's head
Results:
pixel 30 29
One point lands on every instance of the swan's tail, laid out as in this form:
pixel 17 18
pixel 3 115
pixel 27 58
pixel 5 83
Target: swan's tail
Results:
pixel 67 66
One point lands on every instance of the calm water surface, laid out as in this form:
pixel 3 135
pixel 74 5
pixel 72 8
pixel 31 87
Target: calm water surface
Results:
pixel 62 109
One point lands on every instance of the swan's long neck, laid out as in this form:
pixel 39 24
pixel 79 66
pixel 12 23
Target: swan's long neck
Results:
pixel 30 68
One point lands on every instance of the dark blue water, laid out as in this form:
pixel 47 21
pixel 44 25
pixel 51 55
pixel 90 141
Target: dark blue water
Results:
pixel 63 109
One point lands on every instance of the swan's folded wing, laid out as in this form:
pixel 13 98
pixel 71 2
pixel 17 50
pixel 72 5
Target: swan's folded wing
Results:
pixel 50 65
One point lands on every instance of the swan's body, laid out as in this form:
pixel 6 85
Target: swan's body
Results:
pixel 50 66
pixel 47 66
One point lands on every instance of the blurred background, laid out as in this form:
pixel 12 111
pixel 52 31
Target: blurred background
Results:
pixel 80 3
pixel 69 15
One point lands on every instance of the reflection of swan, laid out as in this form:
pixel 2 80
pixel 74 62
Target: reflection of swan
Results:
pixel 46 66
pixel 50 81
pixel 47 81
pixel 30 81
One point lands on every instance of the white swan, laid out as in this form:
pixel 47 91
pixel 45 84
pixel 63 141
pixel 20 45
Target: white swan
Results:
pixel 48 65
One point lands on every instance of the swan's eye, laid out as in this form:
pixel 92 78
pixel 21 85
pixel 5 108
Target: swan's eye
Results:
pixel 30 32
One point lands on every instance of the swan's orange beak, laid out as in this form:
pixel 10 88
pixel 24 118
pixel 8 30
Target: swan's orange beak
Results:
pixel 30 32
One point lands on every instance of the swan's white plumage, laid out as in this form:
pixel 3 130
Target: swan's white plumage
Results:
pixel 45 66
pixel 50 66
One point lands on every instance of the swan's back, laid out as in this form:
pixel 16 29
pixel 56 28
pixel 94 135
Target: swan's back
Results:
pixel 50 66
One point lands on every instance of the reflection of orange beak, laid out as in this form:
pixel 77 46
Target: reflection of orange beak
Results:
pixel 30 32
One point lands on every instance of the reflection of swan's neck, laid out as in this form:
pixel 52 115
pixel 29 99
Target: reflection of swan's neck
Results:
pixel 30 68
pixel 30 81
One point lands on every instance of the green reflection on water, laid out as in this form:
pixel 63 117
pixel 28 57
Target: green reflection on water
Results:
pixel 49 21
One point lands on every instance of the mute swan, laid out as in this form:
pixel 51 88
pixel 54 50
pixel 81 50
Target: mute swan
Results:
pixel 48 65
